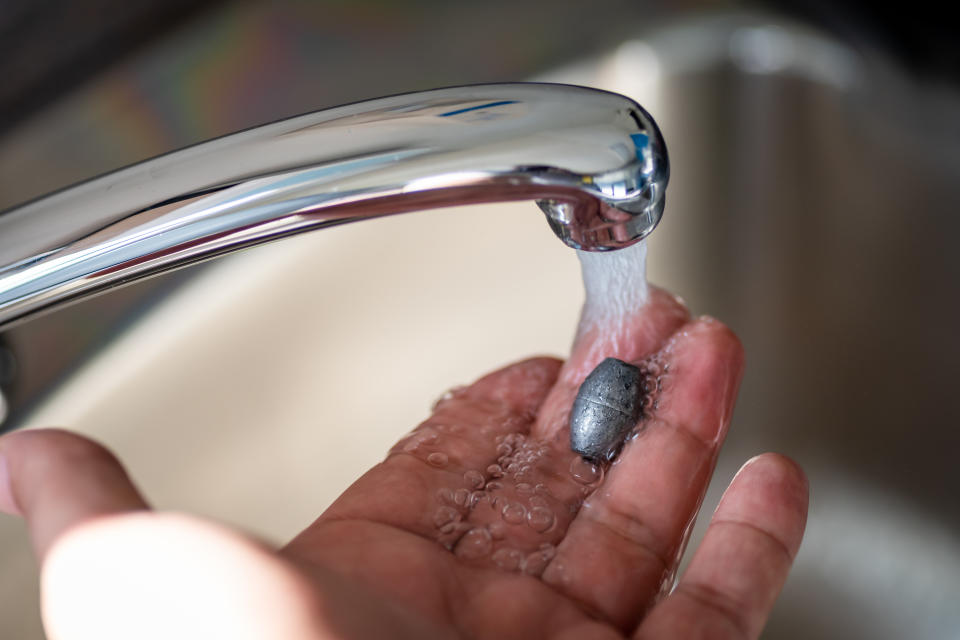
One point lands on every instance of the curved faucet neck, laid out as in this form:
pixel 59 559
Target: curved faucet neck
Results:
pixel 595 162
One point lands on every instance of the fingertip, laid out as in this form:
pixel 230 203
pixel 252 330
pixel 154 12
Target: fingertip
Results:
pixel 772 491
pixel 666 300
pixel 56 479
pixel 778 465
pixel 521 385
pixel 780 473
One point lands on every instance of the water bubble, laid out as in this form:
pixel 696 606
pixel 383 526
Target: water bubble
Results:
pixel 460 497
pixel 445 496
pixel 445 516
pixel 476 498
pixel 507 559
pixel 497 530
pixel 584 471
pixel 494 486
pixel 524 488
pixel 538 501
pixel 475 544
pixel 536 562
pixel 542 490
pixel 473 478
pixel 514 513
pixel 438 459
pixel 540 519
pixel 504 450
pixel 495 471
pixel 420 437
pixel 448 528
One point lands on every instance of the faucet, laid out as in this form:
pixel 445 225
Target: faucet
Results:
pixel 594 161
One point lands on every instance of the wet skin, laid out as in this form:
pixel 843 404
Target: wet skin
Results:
pixel 402 554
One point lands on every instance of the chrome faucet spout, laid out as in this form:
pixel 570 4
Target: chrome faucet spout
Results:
pixel 594 161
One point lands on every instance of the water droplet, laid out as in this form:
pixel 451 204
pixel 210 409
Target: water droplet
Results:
pixel 448 528
pixel 497 530
pixel 495 471
pixel 475 544
pixel 445 516
pixel 476 498
pixel 507 559
pixel 461 496
pixel 514 513
pixel 538 501
pixel 473 478
pixel 540 519
pixel 438 459
pixel 524 488
pixel 584 471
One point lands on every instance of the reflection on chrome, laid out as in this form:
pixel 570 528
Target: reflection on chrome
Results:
pixel 594 161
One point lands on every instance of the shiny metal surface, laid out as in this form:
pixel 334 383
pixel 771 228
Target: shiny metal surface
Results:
pixel 594 161
pixel 608 405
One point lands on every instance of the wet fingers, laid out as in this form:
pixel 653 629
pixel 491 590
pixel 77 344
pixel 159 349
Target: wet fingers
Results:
pixel 625 540
pixel 733 580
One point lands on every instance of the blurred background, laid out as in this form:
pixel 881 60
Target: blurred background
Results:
pixel 815 152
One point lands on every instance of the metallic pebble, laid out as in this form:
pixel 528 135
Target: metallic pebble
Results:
pixel 607 407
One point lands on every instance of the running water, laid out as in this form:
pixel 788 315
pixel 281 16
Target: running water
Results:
pixel 513 510
pixel 614 283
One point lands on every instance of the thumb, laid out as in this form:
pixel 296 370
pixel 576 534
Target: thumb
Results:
pixel 56 479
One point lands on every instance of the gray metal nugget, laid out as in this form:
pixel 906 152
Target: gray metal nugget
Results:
pixel 607 407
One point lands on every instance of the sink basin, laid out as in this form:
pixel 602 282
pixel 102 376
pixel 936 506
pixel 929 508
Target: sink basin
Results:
pixel 812 199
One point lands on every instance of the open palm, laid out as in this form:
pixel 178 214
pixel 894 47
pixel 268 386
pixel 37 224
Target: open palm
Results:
pixel 479 524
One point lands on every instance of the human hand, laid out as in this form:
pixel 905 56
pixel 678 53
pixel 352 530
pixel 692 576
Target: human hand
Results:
pixel 444 538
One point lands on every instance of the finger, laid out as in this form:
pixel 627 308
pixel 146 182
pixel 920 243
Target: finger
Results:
pixel 626 538
pixel 445 452
pixel 734 578
pixel 58 479
pixel 637 337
